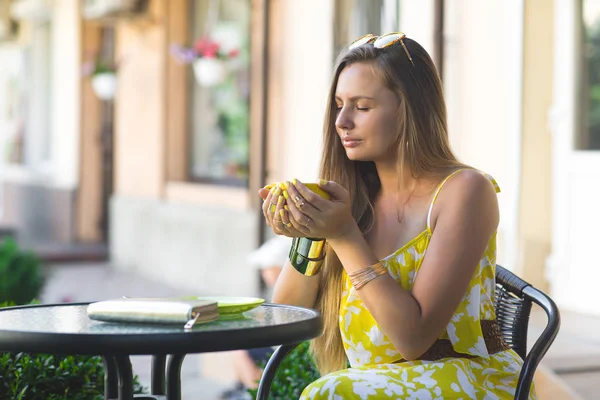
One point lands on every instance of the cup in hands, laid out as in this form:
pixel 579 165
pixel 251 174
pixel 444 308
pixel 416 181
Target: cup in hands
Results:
pixel 312 186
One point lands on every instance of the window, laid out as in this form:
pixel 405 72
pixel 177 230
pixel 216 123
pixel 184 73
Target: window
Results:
pixel 421 20
pixel 589 135
pixel 219 114
pixel 355 18
pixel 28 92
pixel 13 83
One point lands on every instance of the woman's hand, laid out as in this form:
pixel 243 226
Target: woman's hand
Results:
pixel 276 215
pixel 276 212
pixel 273 201
pixel 313 216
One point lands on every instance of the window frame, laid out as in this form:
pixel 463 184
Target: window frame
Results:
pixel 582 137
pixel 179 184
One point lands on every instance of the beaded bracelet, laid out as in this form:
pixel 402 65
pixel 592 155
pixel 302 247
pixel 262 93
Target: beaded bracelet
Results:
pixel 307 255
pixel 365 275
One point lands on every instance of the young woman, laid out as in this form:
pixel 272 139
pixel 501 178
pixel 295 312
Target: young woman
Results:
pixel 406 287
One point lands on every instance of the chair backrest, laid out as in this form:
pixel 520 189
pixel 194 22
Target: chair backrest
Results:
pixel 512 309
pixel 514 297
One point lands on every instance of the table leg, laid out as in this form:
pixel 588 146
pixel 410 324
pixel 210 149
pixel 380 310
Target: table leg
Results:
pixel 158 374
pixel 264 387
pixel 111 378
pixel 174 377
pixel 125 377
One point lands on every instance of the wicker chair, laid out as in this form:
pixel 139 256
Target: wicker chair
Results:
pixel 514 298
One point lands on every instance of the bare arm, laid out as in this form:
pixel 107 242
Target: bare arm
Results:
pixel 467 216
pixel 467 219
pixel 295 289
pixel 292 287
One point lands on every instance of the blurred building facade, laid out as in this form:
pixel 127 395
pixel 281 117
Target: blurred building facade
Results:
pixel 167 171
pixel 39 121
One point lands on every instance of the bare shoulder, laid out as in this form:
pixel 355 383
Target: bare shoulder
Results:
pixel 467 183
pixel 468 191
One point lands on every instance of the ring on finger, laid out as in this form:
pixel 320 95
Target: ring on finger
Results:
pixel 297 199
pixel 272 207
pixel 300 204
pixel 307 222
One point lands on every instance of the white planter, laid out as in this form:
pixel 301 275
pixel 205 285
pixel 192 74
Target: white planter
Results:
pixel 209 71
pixel 105 85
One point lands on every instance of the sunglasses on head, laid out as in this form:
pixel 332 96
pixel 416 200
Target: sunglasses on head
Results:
pixel 383 41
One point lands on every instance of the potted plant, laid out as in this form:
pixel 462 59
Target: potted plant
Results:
pixel 209 59
pixel 103 77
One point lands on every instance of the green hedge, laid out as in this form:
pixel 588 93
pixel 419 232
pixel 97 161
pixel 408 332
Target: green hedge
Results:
pixel 21 277
pixel 26 376
pixel 43 376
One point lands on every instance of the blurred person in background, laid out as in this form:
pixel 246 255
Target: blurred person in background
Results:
pixel 269 259
pixel 401 260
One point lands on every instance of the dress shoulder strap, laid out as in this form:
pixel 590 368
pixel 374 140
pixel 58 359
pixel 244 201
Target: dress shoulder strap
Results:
pixel 437 192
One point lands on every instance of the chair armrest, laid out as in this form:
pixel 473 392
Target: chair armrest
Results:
pixel 264 387
pixel 510 281
pixel 542 344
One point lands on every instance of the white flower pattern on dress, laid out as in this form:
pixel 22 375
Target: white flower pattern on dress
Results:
pixel 377 337
pixel 374 372
pixel 348 315
pixel 358 355
pixel 473 301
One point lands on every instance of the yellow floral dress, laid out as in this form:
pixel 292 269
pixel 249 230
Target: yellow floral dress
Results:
pixel 376 369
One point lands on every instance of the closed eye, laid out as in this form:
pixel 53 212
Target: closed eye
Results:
pixel 339 108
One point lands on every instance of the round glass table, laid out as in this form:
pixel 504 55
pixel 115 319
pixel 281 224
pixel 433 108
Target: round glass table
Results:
pixel 67 329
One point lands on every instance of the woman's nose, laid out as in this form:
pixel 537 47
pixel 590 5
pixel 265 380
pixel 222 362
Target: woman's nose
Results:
pixel 344 120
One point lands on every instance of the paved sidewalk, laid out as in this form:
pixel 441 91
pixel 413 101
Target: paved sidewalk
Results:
pixel 574 356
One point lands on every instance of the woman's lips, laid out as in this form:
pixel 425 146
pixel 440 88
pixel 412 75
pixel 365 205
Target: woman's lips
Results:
pixel 347 142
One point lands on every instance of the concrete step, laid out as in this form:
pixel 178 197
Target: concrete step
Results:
pixel 71 253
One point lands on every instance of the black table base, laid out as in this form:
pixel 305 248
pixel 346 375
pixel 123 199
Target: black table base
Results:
pixel 118 378
pixel 158 374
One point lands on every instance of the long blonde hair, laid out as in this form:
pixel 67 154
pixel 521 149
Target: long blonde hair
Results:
pixel 423 146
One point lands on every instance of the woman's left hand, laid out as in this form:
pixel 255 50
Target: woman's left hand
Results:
pixel 314 216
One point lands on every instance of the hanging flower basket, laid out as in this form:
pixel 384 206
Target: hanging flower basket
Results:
pixel 209 72
pixel 210 60
pixel 105 85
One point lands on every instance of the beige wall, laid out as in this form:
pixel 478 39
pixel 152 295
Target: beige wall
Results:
pixel 302 59
pixel 140 106
pixel 498 105
pixel 482 71
pixel 89 194
pixel 65 102
pixel 417 21
pixel 535 194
